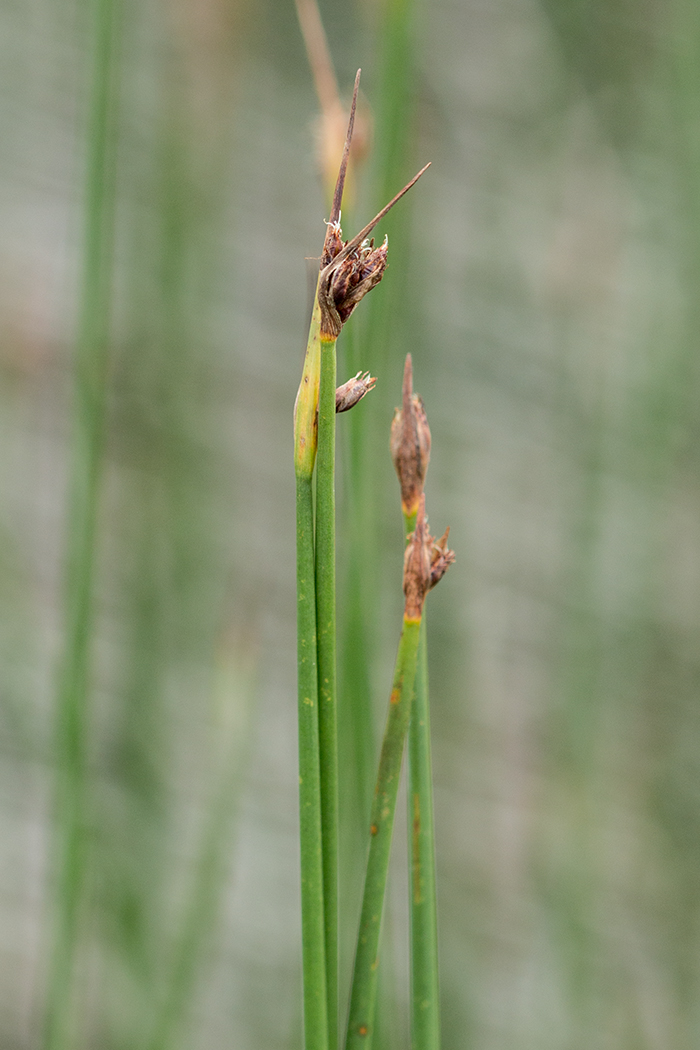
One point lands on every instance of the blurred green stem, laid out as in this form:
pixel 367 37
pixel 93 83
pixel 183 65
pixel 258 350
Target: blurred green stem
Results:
pixel 91 363
pixel 425 986
pixel 364 983
pixel 234 688
pixel 326 650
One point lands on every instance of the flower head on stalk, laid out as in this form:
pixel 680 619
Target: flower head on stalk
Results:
pixel 350 269
pixel 425 563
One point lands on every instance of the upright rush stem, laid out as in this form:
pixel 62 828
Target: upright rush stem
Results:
pixel 325 618
pixel 410 447
pixel 312 910
pixel 364 982
pixel 425 562
pixel 425 985
pixel 348 271
pixel 312 915
pixel 326 652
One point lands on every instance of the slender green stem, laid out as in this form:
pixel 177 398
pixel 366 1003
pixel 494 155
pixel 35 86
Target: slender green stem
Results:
pixel 425 983
pixel 425 987
pixel 86 469
pixel 326 650
pixel 364 983
pixel 312 913
pixel 424 972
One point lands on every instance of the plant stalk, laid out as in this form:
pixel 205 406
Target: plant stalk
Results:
pixel 364 983
pixel 425 987
pixel 326 654
pixel 310 834
pixel 312 912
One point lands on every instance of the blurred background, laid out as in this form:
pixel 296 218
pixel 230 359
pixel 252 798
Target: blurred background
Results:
pixel 160 199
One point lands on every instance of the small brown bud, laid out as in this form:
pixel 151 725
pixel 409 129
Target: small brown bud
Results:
pixel 347 395
pixel 441 558
pixel 425 563
pixel 410 443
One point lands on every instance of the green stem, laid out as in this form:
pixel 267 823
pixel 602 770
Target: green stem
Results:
pixel 364 983
pixel 312 914
pixel 86 468
pixel 425 988
pixel 328 717
pixel 425 983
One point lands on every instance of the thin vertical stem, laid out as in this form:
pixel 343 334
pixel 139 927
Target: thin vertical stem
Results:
pixel 425 982
pixel 364 983
pixel 85 474
pixel 425 985
pixel 326 649
pixel 312 912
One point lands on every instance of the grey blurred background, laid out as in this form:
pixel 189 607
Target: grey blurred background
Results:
pixel 544 275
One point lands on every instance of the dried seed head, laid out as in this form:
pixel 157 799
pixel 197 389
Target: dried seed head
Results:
pixel 410 443
pixel 350 269
pixel 347 395
pixel 441 558
pixel 425 563
pixel 357 275
pixel 347 275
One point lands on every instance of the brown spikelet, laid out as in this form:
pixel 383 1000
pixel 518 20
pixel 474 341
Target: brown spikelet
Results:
pixel 410 443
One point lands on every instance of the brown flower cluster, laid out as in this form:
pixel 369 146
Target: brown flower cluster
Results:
pixel 350 269
pixel 357 273
pixel 425 563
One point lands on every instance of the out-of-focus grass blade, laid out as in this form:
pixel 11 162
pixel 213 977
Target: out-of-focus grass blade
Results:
pixel 91 361
pixel 235 689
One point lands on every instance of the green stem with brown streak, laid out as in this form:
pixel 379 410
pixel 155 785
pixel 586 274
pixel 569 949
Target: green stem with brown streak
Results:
pixel 326 654
pixel 425 987
pixel 310 834
pixel 364 983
